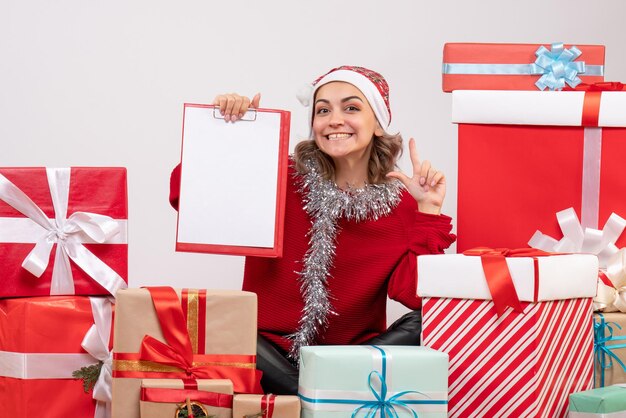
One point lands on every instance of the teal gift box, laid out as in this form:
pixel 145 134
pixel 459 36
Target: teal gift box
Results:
pixel 367 381
pixel 607 402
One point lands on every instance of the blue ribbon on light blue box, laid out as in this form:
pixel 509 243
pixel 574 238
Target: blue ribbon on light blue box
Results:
pixel 604 354
pixel 556 66
pixel 383 405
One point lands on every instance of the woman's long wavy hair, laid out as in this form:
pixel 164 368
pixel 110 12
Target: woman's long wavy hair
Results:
pixel 386 150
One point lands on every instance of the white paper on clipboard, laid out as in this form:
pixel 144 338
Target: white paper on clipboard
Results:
pixel 229 183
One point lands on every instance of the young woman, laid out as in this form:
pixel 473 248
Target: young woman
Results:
pixel 353 228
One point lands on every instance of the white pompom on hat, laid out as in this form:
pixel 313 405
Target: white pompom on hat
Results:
pixel 373 86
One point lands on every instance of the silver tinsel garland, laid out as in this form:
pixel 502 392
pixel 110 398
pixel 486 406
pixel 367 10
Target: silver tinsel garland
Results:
pixel 326 203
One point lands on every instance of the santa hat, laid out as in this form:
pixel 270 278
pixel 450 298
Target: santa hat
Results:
pixel 372 85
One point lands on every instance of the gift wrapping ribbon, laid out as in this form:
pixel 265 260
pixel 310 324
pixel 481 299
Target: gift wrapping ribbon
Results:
pixel 166 395
pixel 267 406
pixel 176 357
pixel 583 236
pixel 194 308
pixel 600 242
pixel 556 67
pixel 602 351
pixel 592 148
pixel 611 295
pixel 96 343
pixel 498 276
pixel 381 404
pixel 62 365
pixel 67 233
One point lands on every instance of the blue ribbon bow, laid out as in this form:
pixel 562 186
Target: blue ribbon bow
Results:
pixel 385 406
pixel 601 350
pixel 557 67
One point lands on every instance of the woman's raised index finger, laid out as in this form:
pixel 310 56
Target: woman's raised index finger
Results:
pixel 415 158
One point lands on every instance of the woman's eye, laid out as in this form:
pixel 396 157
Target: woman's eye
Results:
pixel 352 108
pixel 321 110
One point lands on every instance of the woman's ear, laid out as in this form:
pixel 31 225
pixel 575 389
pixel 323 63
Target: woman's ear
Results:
pixel 379 131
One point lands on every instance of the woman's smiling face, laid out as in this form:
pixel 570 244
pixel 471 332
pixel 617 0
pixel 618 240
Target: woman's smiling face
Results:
pixel 344 124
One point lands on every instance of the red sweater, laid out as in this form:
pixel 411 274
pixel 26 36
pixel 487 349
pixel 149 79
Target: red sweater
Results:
pixel 373 259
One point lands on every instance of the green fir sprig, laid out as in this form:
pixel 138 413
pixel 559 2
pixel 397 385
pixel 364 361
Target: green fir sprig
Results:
pixel 89 375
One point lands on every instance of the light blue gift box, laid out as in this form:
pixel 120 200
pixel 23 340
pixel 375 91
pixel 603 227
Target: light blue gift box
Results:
pixel 373 381
pixel 607 402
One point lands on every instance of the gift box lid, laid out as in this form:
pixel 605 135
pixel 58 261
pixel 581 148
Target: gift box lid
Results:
pixel 601 400
pixel 460 276
pixel 505 66
pixel 554 108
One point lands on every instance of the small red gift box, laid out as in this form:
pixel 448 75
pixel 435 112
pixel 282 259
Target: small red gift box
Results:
pixel 41 346
pixel 479 66
pixel 525 156
pixel 63 231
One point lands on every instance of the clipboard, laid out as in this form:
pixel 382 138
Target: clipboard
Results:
pixel 233 182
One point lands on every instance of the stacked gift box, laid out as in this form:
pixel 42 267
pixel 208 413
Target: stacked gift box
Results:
pixel 64 254
pixel 540 136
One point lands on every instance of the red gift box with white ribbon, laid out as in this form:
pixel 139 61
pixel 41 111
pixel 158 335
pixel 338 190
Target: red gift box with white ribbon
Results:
pixel 63 231
pixel 516 325
pixel 43 342
pixel 524 156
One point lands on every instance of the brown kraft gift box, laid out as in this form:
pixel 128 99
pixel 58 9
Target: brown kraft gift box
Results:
pixel 161 398
pixel 266 406
pixel 186 334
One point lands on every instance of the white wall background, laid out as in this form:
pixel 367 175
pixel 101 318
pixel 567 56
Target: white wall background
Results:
pixel 102 83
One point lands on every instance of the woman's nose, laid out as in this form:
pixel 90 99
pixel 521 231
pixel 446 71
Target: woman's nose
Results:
pixel 336 119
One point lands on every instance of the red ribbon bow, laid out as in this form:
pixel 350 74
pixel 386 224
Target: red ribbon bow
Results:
pixel 498 276
pixel 178 351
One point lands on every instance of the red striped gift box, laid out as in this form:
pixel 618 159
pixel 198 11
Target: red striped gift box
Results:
pixel 520 363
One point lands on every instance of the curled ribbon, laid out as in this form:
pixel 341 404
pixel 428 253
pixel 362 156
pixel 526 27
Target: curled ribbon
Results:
pixel 601 351
pixel 96 343
pixel 557 67
pixel 65 233
pixel 498 276
pixel 601 243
